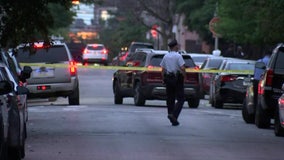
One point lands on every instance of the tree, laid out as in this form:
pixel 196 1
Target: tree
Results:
pixel 252 21
pixel 198 14
pixel 32 20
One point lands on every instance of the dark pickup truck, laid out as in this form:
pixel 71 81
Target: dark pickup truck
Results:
pixel 143 80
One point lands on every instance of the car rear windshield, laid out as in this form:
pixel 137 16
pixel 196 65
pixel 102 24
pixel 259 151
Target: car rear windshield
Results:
pixel 135 46
pixel 50 55
pixel 240 66
pixel 214 63
pixel 95 47
pixel 156 60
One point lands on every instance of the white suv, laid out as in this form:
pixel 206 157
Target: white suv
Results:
pixel 54 71
pixel 95 53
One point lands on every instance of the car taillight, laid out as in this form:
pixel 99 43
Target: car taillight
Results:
pixel 281 102
pixel 73 68
pixel 85 51
pixel 228 78
pixel 269 77
pixel 150 67
pixel 104 51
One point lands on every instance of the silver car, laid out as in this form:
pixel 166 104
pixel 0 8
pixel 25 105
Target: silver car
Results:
pixel 95 53
pixel 54 71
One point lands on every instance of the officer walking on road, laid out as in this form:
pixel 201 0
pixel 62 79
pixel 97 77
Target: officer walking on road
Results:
pixel 173 73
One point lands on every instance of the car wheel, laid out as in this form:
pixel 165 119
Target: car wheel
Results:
pixel 118 99
pixel 193 102
pixel 3 145
pixel 74 97
pixel 218 103
pixel 278 129
pixel 248 118
pixel 262 119
pixel 139 100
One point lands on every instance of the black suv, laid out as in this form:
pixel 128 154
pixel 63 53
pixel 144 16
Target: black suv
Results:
pixel 143 80
pixel 269 88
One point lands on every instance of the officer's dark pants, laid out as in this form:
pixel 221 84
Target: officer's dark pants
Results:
pixel 175 91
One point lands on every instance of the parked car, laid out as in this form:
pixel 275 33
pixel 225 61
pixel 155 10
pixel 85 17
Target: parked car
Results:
pixel 54 72
pixel 145 83
pixel 16 114
pixel 95 53
pixel 212 64
pixel 76 50
pixel 5 88
pixel 269 88
pixel 248 108
pixel 199 58
pixel 279 116
pixel 132 49
pixel 227 85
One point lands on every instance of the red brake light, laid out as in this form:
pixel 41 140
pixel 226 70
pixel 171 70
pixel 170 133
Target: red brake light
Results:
pixel 72 68
pixel 281 101
pixel 228 78
pixel 85 51
pixel 104 51
pixel 269 77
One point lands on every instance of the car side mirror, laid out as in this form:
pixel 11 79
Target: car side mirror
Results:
pixel 26 73
pixel 6 87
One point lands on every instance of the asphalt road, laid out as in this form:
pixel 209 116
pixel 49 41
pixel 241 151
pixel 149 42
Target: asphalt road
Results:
pixel 99 130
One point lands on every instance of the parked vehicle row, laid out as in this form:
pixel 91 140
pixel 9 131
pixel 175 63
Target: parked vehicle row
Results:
pixel 13 111
pixel 270 95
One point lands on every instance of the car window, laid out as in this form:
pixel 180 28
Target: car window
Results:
pixel 135 46
pixel 50 55
pixel 240 66
pixel 156 60
pixel 214 63
pixel 95 47
pixel 199 59
pixel 188 61
pixel 279 61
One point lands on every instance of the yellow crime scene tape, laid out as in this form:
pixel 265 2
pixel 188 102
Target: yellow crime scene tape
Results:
pixel 137 68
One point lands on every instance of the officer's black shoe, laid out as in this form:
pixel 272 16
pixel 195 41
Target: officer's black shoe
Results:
pixel 173 120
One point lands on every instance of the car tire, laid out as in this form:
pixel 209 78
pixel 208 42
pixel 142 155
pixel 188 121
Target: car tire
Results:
pixel 14 153
pixel 139 100
pixel 118 99
pixel 262 119
pixel 278 129
pixel 74 98
pixel 248 118
pixel 193 102
pixel 218 103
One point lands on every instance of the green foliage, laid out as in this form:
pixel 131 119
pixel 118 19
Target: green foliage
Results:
pixel 122 33
pixel 198 14
pixel 28 21
pixel 252 21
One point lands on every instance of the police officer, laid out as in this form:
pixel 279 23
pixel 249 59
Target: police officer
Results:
pixel 173 73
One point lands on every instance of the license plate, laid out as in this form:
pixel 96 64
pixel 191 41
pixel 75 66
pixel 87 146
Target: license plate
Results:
pixel 39 73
